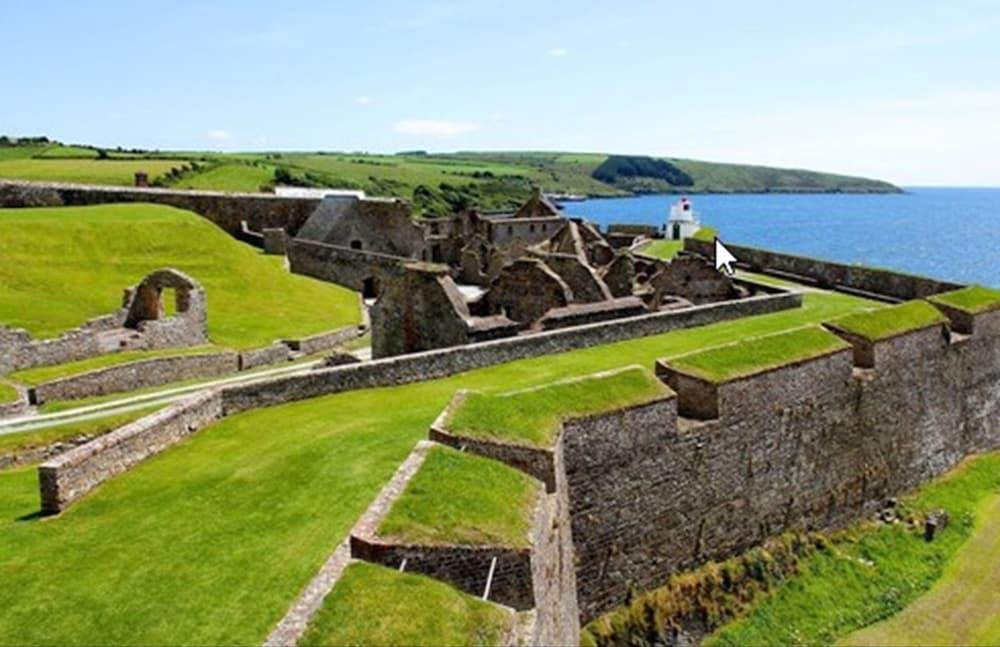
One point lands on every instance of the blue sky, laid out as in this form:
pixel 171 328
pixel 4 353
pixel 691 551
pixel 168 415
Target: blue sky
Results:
pixel 904 91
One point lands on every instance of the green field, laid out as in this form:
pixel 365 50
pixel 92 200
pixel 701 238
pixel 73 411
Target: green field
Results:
pixel 210 541
pixel 376 606
pixel 459 498
pixel 229 177
pixel 63 266
pixel 23 440
pixel 875 572
pixel 963 606
pixel 84 171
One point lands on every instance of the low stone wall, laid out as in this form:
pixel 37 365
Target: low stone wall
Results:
pixel 325 341
pixel 136 375
pixel 274 354
pixel 405 369
pixel 70 476
pixel 18 407
pixel 827 274
pixel 227 210
pixel 22 351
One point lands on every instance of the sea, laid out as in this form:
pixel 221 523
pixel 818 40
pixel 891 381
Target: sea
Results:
pixel 946 233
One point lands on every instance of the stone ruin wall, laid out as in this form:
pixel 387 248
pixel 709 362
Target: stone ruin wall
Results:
pixel 227 210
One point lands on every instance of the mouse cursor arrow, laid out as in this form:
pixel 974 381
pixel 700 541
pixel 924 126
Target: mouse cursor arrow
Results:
pixel 724 259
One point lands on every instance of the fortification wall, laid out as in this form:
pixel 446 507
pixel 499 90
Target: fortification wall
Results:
pixel 21 350
pixel 828 274
pixel 137 375
pixel 70 476
pixel 405 369
pixel 227 210
pixel 341 265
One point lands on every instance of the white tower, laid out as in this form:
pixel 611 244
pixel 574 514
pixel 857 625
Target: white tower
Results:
pixel 683 221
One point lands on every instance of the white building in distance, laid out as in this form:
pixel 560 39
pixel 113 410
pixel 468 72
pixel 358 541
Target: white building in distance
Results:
pixel 683 221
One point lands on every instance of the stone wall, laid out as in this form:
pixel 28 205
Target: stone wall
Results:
pixel 405 369
pixel 848 278
pixel 70 476
pixel 136 375
pixel 324 341
pixel 342 265
pixel 256 357
pixel 227 210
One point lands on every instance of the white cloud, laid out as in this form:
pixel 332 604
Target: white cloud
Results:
pixel 559 52
pixel 363 101
pixel 219 135
pixel 434 127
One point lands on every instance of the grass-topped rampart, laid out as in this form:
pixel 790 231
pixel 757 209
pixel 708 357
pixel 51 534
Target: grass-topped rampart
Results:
pixel 756 355
pixel 892 321
pixel 63 266
pixel 974 299
pixel 378 606
pixel 532 416
pixel 461 498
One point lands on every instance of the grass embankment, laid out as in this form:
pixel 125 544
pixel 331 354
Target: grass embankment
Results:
pixel 63 266
pixel 891 321
pixel 532 416
pixel 7 393
pixel 875 571
pixel 15 442
pixel 973 299
pixel 760 354
pixel 810 590
pixel 663 249
pixel 459 498
pixel 43 374
pixel 377 606
pixel 210 541
pixel 84 171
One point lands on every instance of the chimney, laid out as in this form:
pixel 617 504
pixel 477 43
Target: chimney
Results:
pixel 141 179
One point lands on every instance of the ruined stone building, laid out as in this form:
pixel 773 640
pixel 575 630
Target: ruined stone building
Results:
pixel 440 282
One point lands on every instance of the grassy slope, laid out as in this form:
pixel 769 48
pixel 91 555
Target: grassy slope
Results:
pixel 532 416
pixel 65 265
pixel 895 320
pixel 458 498
pixel 974 298
pixel 23 440
pixel 665 249
pixel 963 607
pixel 87 171
pixel 210 541
pixel 721 177
pixel 377 606
pixel 755 355
pixel 879 571
pixel 7 393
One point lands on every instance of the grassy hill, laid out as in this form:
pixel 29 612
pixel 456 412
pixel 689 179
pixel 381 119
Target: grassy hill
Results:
pixel 62 266
pixel 435 183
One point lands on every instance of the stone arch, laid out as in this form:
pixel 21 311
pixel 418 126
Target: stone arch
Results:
pixel 145 300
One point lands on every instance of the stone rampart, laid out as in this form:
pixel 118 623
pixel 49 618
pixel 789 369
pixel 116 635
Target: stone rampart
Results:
pixel 136 375
pixel 324 341
pixel 70 476
pixel 416 367
pixel 341 265
pixel 256 357
pixel 827 274
pixel 227 210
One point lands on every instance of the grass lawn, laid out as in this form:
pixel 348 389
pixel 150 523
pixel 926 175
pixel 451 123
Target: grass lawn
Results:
pixel 211 541
pixel 759 354
pixel 87 171
pixel 892 321
pixel 23 440
pixel 459 498
pixel 65 265
pixel 43 374
pixel 7 393
pixel 877 571
pixel 665 249
pixel 974 299
pixel 229 177
pixel 377 606
pixel 532 416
